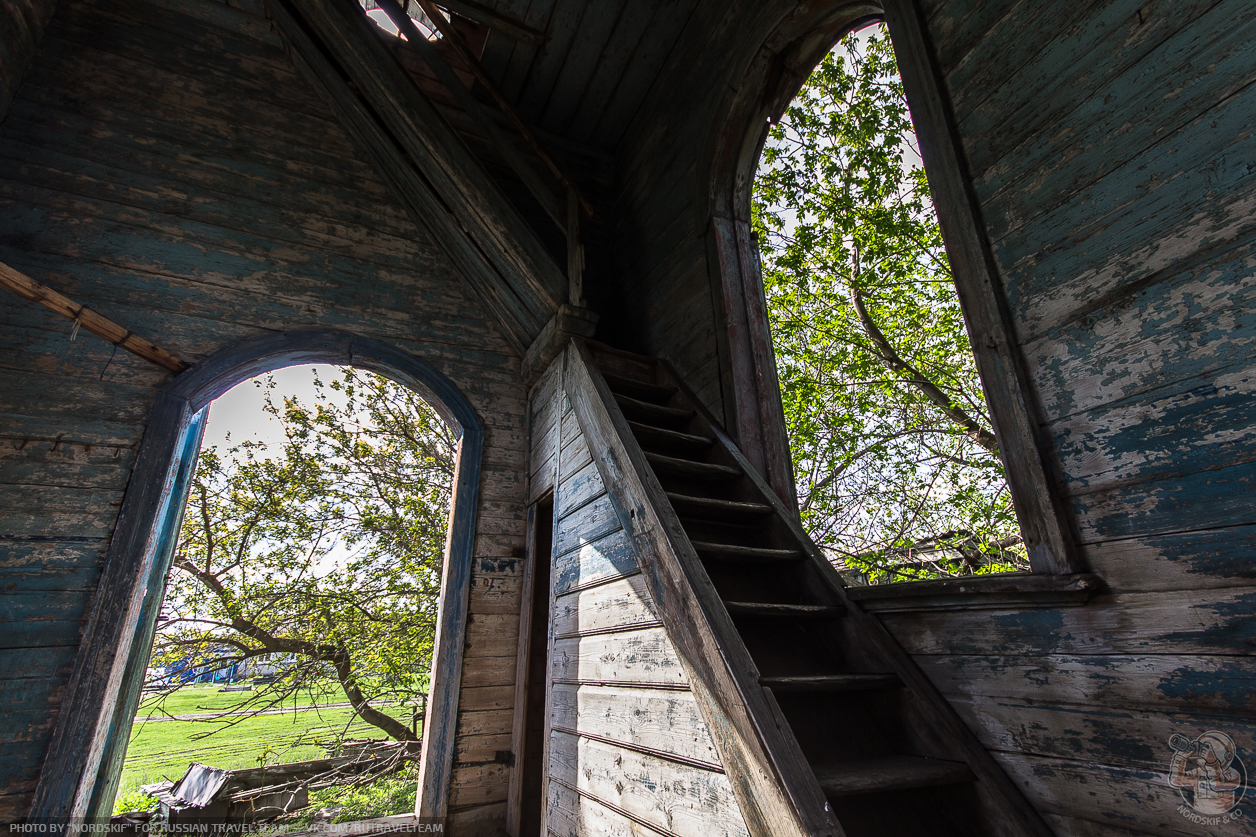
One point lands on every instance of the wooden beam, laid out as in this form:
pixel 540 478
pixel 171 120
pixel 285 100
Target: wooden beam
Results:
pixel 19 283
pixel 85 755
pixel 575 250
pixel 778 795
pixel 454 37
pixel 405 24
pixel 498 22
pixel 568 322
pixel 1011 813
pixel 502 263
pixel 1009 391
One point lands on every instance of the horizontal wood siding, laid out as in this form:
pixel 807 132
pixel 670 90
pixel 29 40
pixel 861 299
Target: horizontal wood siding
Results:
pixel 543 414
pixel 1109 148
pixel 166 165
pixel 629 752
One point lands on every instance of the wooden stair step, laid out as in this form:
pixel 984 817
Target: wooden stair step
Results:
pixel 709 506
pixel 753 554
pixel 832 683
pixel 649 432
pixel 656 412
pixel 886 774
pixel 640 390
pixel 691 469
pixel 791 611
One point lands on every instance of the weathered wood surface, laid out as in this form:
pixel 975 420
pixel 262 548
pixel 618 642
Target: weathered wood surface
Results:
pixel 1196 622
pixel 645 656
pixel 774 788
pixel 577 490
pixel 667 722
pixel 576 455
pixel 1177 561
pixel 608 556
pixel 1119 796
pixel 680 798
pixel 1105 151
pixel 1083 732
pixel 166 165
pixel 628 749
pixel 586 526
pixel 575 815
pixel 616 605
pixel 1214 684
pixel 541 460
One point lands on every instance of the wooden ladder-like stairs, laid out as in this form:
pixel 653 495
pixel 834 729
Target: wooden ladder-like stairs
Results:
pixel 849 728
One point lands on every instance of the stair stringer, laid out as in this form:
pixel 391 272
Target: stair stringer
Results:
pixel 775 788
pixel 1007 810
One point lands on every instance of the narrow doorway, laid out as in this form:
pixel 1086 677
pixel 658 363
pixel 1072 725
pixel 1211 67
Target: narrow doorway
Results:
pixel 530 761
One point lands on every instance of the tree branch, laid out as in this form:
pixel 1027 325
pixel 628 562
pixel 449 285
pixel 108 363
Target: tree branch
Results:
pixel 895 362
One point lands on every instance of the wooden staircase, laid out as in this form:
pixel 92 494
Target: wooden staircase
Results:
pixel 825 725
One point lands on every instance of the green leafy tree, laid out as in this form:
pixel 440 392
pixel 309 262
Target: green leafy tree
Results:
pixel 325 560
pixel 895 457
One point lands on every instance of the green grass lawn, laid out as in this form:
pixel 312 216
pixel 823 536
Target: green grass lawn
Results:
pixel 163 749
pixel 210 698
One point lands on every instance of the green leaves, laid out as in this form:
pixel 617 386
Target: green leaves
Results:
pixel 326 557
pixel 893 449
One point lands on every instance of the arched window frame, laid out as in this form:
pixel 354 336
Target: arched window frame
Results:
pixel 84 760
pixel 753 409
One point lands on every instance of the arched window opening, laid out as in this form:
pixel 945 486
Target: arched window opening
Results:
pixel 301 606
pixel 83 766
pixel 895 456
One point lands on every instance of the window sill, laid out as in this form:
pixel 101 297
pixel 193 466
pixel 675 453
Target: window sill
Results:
pixel 1012 591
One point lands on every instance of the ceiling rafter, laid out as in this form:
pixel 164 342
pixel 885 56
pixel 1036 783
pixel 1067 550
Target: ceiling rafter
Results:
pixel 442 185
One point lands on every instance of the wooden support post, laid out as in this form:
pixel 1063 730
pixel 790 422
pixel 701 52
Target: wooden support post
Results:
pixel 757 417
pixel 87 319
pixel 575 251
pixel 568 322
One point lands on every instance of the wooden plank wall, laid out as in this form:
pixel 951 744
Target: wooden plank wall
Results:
pixel 165 164
pixel 627 744
pixel 663 191
pixel 590 67
pixel 1110 147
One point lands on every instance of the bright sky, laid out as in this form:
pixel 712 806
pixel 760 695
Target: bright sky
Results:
pixel 239 415
pixel 239 412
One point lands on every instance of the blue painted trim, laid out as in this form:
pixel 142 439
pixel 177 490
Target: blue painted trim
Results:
pixel 168 521
pixel 84 761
